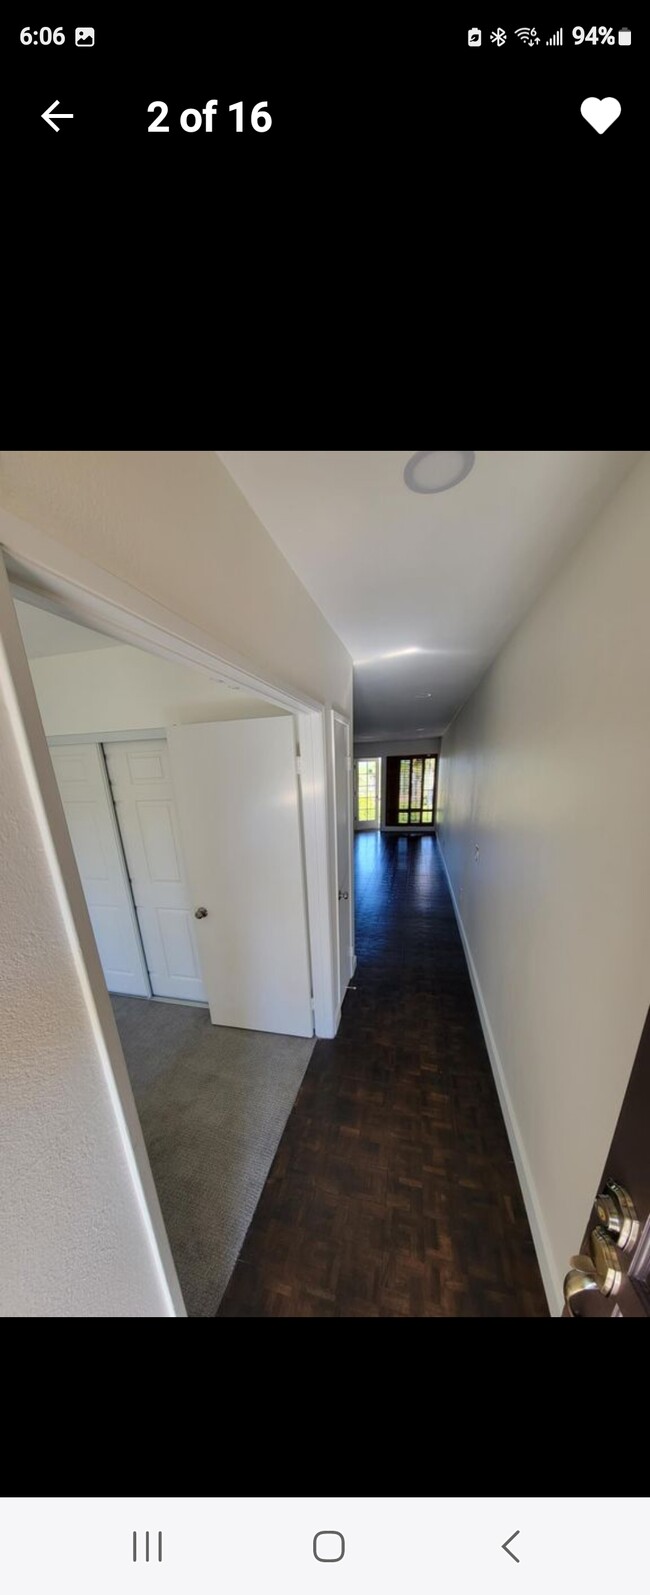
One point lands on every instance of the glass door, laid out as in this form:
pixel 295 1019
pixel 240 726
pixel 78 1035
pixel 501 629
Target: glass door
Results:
pixel 367 794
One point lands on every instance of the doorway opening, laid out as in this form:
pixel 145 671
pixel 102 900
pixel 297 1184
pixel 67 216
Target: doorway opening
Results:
pixel 367 794
pixel 411 791
pixel 190 910
pixel 108 774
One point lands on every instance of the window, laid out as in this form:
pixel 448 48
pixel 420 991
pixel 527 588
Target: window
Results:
pixel 368 795
pixel 410 791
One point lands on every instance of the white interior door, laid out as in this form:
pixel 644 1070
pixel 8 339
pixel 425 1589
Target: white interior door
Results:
pixel 146 812
pixel 236 785
pixel 81 775
pixel 343 778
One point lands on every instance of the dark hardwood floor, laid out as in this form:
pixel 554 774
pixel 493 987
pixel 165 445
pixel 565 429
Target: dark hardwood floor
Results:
pixel 393 1192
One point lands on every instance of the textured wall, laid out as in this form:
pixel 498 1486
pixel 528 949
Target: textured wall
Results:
pixel 547 771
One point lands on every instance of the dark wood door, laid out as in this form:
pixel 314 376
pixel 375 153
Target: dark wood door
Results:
pixel 611 1276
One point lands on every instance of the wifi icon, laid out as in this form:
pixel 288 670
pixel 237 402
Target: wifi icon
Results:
pixel 527 35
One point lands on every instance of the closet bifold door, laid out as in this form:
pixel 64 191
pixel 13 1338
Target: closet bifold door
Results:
pixel 88 806
pixel 146 814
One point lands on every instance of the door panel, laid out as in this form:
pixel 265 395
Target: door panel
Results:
pixel 343 779
pixel 236 787
pixel 85 826
pixel 178 941
pixel 156 823
pixel 85 793
pixel 610 1277
pixel 367 794
pixel 144 803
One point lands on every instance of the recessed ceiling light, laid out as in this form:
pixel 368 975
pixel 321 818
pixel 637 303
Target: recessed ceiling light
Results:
pixel 434 470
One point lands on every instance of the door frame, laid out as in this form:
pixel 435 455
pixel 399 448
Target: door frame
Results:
pixel 370 758
pixel 59 578
pixel 343 720
pixel 39 568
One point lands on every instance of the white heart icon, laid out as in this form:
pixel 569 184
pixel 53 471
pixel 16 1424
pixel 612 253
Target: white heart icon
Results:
pixel 600 113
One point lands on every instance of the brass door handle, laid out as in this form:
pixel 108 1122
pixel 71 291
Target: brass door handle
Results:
pixel 598 1271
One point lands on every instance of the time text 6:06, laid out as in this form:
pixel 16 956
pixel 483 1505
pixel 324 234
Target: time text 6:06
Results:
pixel 194 121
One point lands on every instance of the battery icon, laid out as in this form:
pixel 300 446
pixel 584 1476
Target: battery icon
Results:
pixel 624 36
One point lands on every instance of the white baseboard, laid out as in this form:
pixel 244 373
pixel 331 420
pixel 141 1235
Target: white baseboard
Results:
pixel 552 1285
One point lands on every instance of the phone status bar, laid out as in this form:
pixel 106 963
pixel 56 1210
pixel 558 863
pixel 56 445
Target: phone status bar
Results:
pixel 530 37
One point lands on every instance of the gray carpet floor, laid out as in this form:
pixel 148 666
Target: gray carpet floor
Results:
pixel 213 1104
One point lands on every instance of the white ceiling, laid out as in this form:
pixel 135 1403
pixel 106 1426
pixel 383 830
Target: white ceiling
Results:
pixel 449 574
pixel 45 633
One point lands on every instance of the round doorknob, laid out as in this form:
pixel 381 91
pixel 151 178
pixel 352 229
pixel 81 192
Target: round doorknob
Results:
pixel 200 913
pixel 578 1280
pixel 598 1271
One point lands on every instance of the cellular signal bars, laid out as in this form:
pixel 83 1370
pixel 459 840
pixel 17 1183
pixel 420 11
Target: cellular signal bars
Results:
pixel 556 38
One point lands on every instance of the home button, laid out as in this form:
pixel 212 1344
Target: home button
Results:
pixel 329 1546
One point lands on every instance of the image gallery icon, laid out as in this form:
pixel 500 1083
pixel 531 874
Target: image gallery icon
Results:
pixel 474 36
pixel 84 36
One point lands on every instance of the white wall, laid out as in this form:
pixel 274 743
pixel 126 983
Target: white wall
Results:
pixel 75 1235
pixel 547 770
pixel 405 749
pixel 125 689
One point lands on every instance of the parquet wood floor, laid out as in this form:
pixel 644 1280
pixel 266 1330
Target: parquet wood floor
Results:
pixel 393 1192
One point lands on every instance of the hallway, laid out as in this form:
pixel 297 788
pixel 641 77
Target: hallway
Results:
pixel 393 1192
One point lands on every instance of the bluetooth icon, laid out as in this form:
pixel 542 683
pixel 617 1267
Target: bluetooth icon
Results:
pixel 499 37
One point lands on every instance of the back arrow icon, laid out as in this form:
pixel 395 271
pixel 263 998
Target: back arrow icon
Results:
pixel 506 1543
pixel 48 117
